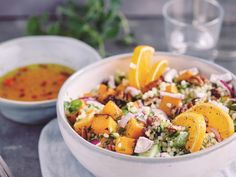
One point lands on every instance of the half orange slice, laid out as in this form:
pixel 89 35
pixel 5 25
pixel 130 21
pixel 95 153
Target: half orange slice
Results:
pixel 196 128
pixel 140 65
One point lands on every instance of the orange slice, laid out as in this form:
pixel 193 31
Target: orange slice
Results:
pixel 196 128
pixel 157 70
pixel 140 65
pixel 215 118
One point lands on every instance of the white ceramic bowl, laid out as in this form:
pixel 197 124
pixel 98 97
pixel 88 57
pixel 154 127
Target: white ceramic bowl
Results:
pixel 104 163
pixel 41 49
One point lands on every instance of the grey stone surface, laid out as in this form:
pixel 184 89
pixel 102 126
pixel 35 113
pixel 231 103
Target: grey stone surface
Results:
pixel 19 147
pixel 19 143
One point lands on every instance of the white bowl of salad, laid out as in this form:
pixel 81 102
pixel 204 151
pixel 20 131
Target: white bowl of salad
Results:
pixel 150 114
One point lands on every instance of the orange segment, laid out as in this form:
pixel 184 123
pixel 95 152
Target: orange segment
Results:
pixel 140 64
pixel 157 70
pixel 215 118
pixel 196 128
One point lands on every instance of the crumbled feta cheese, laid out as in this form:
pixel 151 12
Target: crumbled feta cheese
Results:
pixel 132 108
pixel 143 144
pixel 141 116
pixel 95 104
pixel 171 143
pixel 170 75
pixel 133 91
pixel 234 116
pixel 168 149
pixel 169 105
pixel 82 115
pixel 159 113
pixel 150 93
pixel 183 83
pixel 111 82
pixel 164 154
pixel 198 93
pixel 119 145
pixel 173 95
pixel 106 135
pixel 162 86
pixel 124 120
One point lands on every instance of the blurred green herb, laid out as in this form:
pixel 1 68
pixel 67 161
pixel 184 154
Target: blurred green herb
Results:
pixel 94 23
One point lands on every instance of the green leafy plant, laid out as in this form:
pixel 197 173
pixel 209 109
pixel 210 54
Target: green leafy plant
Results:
pixel 95 22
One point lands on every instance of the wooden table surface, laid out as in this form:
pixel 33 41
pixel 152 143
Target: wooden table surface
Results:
pixel 19 143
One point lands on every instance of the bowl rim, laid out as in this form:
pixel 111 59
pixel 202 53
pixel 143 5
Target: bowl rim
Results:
pixel 63 123
pixel 97 57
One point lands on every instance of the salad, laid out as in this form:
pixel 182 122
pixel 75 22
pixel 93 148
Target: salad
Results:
pixel 154 110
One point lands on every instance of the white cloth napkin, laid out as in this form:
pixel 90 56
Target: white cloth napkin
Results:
pixel 57 161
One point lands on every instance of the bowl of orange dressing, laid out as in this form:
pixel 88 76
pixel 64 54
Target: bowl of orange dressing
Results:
pixel 32 71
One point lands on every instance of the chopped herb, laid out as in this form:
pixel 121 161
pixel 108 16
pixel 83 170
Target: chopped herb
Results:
pixel 94 22
pixel 180 140
pixel 73 105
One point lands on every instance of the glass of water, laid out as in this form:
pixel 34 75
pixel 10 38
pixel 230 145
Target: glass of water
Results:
pixel 192 27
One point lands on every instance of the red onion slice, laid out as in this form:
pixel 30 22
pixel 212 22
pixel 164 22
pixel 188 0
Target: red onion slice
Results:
pixel 125 119
pixel 95 142
pixel 143 144
pixel 227 77
pixel 133 91
pixel 228 88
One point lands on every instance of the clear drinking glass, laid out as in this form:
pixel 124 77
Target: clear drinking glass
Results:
pixel 192 27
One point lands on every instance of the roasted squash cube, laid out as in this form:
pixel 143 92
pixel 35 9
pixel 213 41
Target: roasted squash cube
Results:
pixel 185 76
pixel 112 109
pixel 104 92
pixel 103 123
pixel 167 103
pixel 171 88
pixel 125 145
pixel 134 129
pixel 102 89
pixel 80 124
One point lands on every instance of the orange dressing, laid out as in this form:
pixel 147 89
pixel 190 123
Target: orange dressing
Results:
pixel 34 82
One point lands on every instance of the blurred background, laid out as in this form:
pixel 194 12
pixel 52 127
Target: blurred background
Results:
pixel 144 17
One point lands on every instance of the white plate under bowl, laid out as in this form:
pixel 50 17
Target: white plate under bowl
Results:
pixel 40 49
